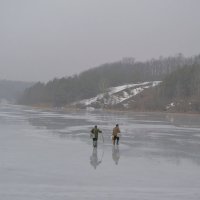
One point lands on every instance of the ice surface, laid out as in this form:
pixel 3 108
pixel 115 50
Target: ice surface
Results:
pixel 49 155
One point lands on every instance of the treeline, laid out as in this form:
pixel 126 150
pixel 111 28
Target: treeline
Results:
pixel 12 90
pixel 59 92
pixel 179 92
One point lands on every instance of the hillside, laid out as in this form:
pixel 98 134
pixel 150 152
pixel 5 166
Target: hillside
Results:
pixel 116 97
pixel 88 84
pixel 179 92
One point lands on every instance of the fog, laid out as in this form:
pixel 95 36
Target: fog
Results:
pixel 43 39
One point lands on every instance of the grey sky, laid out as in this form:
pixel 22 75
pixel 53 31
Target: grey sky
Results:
pixel 43 39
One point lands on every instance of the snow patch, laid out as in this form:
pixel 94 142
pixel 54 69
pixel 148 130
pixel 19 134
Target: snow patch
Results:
pixel 117 95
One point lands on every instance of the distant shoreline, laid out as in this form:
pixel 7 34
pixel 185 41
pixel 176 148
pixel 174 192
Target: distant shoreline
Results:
pixel 68 108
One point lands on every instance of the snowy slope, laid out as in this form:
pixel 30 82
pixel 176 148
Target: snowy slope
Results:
pixel 116 95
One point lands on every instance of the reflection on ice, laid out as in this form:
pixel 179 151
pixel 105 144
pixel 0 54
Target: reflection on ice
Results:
pixel 115 154
pixel 94 160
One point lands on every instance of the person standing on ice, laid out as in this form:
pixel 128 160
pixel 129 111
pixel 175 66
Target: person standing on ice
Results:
pixel 116 134
pixel 94 135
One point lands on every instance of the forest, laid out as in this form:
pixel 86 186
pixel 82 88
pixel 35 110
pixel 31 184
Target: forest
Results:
pixel 178 92
pixel 180 78
pixel 12 90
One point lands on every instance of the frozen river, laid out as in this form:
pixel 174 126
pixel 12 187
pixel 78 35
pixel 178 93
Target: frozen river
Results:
pixel 48 155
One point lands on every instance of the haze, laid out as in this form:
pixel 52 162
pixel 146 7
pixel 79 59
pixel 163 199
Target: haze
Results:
pixel 44 39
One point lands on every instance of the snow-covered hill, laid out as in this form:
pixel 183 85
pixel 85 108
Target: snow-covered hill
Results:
pixel 116 96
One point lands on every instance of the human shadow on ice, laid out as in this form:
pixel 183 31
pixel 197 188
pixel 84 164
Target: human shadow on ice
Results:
pixel 115 154
pixel 94 160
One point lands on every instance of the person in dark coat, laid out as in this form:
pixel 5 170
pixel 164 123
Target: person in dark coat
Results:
pixel 94 135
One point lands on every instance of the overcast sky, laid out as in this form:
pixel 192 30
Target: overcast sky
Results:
pixel 43 39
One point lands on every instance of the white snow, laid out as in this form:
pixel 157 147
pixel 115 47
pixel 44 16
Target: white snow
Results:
pixel 113 93
pixel 171 105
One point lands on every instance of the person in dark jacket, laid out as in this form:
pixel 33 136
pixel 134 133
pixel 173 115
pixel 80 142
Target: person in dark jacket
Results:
pixel 94 135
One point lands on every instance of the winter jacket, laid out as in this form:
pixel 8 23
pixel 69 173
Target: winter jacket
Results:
pixel 116 131
pixel 96 131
